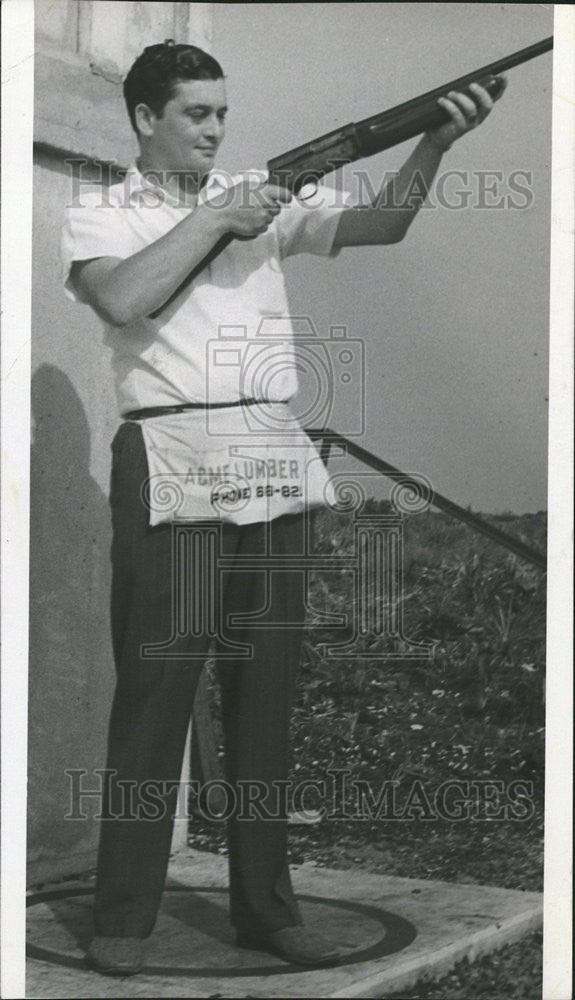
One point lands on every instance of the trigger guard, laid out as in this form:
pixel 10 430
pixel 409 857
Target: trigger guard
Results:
pixel 308 190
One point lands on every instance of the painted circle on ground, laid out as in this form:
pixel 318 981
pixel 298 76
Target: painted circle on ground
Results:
pixel 397 934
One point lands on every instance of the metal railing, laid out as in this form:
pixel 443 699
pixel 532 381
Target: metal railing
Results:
pixel 328 438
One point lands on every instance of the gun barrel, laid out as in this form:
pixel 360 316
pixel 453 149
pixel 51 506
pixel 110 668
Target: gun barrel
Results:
pixel 313 160
pixel 371 130
pixel 400 124
pixel 492 69
pixel 351 142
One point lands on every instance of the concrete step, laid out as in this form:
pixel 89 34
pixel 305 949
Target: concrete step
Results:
pixel 395 931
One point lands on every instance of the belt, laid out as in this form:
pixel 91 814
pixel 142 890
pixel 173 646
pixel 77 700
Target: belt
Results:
pixel 162 411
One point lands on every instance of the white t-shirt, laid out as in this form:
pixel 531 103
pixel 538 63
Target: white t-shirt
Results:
pixel 227 335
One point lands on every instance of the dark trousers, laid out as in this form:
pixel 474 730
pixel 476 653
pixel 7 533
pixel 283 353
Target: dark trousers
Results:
pixel 153 703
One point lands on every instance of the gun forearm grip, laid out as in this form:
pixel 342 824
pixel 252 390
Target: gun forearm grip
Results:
pixel 375 135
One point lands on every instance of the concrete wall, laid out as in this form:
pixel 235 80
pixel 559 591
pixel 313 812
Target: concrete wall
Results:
pixel 73 414
pixel 83 49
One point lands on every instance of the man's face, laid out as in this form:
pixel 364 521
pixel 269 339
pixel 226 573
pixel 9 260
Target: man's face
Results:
pixel 188 134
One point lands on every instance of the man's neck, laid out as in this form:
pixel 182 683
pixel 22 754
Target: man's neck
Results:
pixel 182 187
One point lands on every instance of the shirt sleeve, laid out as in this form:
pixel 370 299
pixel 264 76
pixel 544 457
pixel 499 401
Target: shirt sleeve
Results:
pixel 93 227
pixel 309 223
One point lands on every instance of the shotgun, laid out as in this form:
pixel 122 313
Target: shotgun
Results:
pixel 312 161
pixel 309 163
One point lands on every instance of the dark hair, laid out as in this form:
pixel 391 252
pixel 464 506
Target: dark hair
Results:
pixel 152 77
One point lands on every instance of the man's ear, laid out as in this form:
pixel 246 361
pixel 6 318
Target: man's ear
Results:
pixel 145 119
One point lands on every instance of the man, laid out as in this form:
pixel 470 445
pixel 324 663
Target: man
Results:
pixel 130 256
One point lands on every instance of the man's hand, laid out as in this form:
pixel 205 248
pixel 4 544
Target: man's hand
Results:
pixel 465 114
pixel 249 208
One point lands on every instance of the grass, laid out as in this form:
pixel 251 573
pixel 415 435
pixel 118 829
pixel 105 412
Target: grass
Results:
pixel 514 973
pixel 469 717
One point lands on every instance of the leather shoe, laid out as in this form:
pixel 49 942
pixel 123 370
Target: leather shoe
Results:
pixel 296 945
pixel 117 956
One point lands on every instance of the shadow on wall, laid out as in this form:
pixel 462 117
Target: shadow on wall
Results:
pixel 71 670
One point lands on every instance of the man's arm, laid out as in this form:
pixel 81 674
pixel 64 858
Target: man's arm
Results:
pixel 122 291
pixel 388 217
